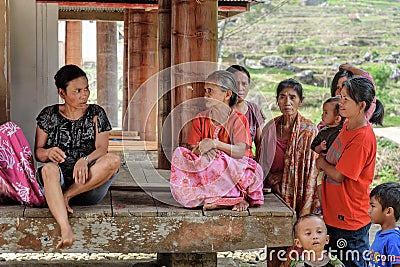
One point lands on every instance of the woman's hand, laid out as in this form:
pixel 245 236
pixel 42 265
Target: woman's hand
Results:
pixel 56 155
pixel 275 181
pixel 81 171
pixel 206 145
pixel 346 66
pixel 320 162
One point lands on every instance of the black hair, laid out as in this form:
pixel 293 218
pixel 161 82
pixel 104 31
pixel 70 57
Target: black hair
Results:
pixel 388 195
pixel 236 68
pixel 290 83
pixel 335 100
pixel 362 89
pixel 341 73
pixel 66 74
pixel 226 81
pixel 304 217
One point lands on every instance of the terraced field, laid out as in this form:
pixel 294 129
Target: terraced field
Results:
pixel 318 38
pixel 317 30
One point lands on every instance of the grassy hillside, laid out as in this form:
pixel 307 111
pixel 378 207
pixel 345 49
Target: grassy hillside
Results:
pixel 324 36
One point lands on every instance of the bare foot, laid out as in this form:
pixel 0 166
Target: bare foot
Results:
pixel 212 207
pixel 66 201
pixel 242 206
pixel 67 238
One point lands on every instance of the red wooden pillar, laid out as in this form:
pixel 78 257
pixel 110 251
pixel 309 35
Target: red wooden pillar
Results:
pixel 194 38
pixel 125 92
pixel 73 43
pixel 143 63
pixel 4 62
pixel 164 85
pixel 107 69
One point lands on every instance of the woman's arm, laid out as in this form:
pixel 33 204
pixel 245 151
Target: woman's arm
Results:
pixel 329 169
pixel 208 146
pixel 235 151
pixel 352 69
pixel 101 144
pixel 257 141
pixel 53 154
pixel 81 169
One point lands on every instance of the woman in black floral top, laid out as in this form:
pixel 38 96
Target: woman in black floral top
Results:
pixel 72 141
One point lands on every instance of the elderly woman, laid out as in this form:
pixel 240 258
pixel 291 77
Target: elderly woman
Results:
pixel 286 156
pixel 72 141
pixel 218 171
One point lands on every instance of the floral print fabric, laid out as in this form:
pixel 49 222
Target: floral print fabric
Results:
pixel 17 171
pixel 195 181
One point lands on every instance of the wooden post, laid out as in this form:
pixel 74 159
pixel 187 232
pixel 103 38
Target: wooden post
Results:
pixel 73 43
pixel 107 69
pixel 164 85
pixel 194 38
pixel 4 62
pixel 143 63
pixel 125 94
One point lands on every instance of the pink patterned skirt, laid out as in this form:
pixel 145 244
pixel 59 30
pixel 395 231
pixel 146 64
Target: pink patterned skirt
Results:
pixel 195 181
pixel 17 171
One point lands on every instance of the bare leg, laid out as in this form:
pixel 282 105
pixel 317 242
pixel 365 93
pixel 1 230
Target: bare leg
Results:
pixel 99 173
pixel 58 201
pixel 55 201
pixel 242 206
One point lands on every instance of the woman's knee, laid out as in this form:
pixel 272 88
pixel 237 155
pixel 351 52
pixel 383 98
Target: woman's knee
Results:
pixel 113 161
pixel 50 172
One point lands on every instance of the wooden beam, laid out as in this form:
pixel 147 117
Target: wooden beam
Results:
pixel 146 6
pixel 91 15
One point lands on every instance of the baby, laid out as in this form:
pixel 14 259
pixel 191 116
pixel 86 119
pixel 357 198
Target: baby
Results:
pixel 310 234
pixel 333 124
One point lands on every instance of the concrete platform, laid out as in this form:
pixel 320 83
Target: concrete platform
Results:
pixel 139 215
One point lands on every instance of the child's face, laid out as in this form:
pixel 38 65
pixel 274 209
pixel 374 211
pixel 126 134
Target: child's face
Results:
pixel 311 234
pixel 375 211
pixel 328 113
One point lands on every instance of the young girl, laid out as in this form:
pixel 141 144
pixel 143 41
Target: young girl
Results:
pixel 349 171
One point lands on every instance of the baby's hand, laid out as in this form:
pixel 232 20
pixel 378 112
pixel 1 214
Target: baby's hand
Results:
pixel 323 145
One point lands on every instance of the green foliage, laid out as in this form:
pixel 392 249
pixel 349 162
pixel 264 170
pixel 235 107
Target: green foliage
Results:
pixel 387 174
pixel 381 73
pixel 287 49
pixel 386 143
pixel 375 54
